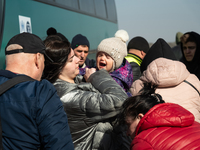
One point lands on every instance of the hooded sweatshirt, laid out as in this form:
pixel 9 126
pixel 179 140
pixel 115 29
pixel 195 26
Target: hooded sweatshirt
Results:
pixel 157 50
pixel 193 66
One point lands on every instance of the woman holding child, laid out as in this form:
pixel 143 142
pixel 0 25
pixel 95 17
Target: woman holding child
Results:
pixel 91 106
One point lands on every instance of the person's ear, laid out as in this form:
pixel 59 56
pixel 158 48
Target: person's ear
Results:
pixel 142 54
pixel 38 60
pixel 140 115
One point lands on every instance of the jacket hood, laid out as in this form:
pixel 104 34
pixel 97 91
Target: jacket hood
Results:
pixel 125 74
pixel 159 49
pixel 165 72
pixel 196 60
pixel 165 115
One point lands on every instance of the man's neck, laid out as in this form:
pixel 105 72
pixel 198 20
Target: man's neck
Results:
pixel 136 52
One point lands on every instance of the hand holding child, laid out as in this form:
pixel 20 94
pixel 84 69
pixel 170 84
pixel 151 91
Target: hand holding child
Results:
pixel 88 72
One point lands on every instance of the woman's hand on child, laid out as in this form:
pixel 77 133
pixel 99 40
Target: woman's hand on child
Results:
pixel 88 72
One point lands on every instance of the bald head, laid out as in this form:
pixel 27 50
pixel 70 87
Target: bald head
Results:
pixel 12 58
pixel 25 63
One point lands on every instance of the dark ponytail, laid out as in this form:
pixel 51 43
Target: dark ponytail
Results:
pixel 58 51
pixel 141 103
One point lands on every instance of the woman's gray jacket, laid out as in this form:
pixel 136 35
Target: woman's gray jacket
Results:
pixel 91 108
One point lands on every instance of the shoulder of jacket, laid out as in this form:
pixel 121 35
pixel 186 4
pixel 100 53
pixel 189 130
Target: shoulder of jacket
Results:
pixel 44 85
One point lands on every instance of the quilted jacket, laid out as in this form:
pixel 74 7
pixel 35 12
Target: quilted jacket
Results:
pixel 124 76
pixel 167 126
pixel 169 75
pixel 91 108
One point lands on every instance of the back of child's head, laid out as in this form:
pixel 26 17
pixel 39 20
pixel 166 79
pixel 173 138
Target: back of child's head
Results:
pixel 141 103
pixel 115 47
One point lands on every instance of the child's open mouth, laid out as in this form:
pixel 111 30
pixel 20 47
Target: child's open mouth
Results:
pixel 102 64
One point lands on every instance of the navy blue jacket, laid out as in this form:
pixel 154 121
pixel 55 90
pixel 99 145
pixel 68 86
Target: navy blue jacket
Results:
pixel 32 116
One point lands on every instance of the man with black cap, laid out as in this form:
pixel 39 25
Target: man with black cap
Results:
pixel 137 49
pixel 32 115
pixel 81 46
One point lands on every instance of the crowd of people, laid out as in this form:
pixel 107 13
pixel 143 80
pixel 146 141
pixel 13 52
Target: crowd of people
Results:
pixel 133 96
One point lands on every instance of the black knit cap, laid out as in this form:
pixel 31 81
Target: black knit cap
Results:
pixel 30 44
pixel 79 39
pixel 138 43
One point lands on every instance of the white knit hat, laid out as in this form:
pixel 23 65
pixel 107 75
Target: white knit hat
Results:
pixel 115 47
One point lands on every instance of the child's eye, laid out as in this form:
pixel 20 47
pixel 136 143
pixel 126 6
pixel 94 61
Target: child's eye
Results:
pixel 108 57
pixel 100 55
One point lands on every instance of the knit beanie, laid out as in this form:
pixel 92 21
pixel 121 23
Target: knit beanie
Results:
pixel 79 39
pixel 138 43
pixel 115 47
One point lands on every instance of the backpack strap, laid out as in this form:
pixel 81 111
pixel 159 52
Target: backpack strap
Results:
pixel 191 85
pixel 7 85
pixel 12 82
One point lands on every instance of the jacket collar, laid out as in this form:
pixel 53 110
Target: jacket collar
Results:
pixel 7 74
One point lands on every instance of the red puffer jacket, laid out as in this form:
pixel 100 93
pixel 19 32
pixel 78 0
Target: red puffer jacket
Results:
pixel 167 127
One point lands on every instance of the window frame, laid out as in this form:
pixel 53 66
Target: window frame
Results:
pixel 53 3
